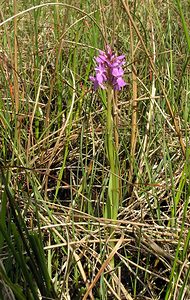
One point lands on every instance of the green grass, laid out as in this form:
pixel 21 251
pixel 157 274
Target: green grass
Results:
pixel 55 239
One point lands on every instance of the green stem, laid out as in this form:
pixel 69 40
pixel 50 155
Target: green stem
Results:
pixel 111 209
pixel 112 204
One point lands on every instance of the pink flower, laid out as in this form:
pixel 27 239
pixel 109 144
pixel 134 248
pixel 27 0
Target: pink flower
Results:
pixel 109 70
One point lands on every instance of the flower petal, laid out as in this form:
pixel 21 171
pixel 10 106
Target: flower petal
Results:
pixel 120 83
pixel 117 72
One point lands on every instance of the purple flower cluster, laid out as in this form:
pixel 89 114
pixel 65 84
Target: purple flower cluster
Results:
pixel 109 70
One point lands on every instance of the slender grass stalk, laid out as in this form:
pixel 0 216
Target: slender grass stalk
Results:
pixel 36 15
pixel 134 104
pixel 184 23
pixel 16 86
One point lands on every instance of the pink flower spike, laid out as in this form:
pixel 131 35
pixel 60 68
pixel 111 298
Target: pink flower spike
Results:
pixel 109 70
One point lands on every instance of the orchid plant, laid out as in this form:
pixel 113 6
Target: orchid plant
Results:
pixel 109 76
